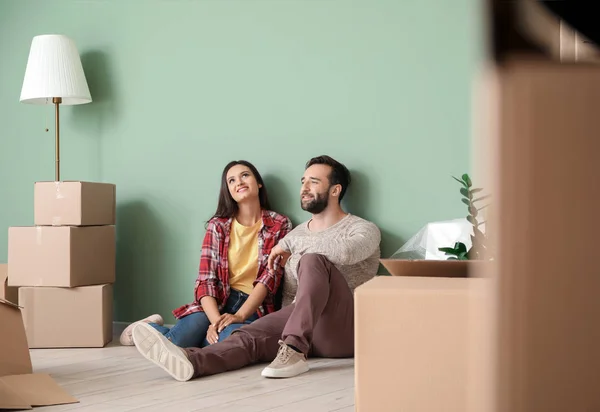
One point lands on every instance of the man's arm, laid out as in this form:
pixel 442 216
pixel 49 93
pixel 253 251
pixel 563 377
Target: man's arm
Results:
pixel 362 241
pixel 286 242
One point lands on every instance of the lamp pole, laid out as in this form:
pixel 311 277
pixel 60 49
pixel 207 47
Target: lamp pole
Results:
pixel 57 101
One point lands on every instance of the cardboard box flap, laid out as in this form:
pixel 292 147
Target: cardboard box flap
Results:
pixel 14 350
pixel 10 399
pixel 32 390
pixel 6 292
pixel 9 303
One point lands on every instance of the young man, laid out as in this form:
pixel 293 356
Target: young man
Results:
pixel 326 258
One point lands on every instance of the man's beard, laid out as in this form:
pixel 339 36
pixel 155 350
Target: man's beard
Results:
pixel 317 204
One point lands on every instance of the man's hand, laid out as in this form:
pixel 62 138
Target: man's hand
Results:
pixel 211 335
pixel 275 252
pixel 226 320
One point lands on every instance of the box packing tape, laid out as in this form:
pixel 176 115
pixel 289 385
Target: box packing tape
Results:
pixel 59 194
pixel 38 235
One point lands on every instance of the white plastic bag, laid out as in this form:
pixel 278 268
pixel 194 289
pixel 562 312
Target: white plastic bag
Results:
pixel 434 235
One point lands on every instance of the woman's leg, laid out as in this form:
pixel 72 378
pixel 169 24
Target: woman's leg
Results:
pixel 230 328
pixel 162 329
pixel 189 331
pixel 234 303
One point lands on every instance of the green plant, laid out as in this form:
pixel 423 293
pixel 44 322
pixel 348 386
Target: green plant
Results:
pixel 478 238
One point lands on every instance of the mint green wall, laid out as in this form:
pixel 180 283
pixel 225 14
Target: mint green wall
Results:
pixel 182 87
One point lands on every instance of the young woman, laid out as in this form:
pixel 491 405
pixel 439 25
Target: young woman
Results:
pixel 235 285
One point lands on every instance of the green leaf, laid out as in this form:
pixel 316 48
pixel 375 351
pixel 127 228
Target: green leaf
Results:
pixel 473 211
pixel 467 180
pixel 466 201
pixel 481 198
pixel 476 190
pixel 470 219
pixel 452 258
pixel 460 247
pixel 465 192
pixel 447 250
pixel 460 181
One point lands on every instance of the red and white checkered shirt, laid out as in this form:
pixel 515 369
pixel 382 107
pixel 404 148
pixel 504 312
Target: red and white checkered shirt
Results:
pixel 213 274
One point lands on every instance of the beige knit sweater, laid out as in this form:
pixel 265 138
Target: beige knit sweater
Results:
pixel 352 245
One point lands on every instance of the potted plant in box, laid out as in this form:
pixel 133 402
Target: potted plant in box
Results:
pixel 472 198
pixel 460 257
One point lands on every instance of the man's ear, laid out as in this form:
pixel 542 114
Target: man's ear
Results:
pixel 337 189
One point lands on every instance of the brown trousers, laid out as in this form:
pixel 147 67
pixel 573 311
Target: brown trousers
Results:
pixel 320 323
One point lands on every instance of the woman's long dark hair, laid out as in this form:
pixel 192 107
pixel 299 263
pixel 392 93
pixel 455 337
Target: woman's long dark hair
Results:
pixel 227 207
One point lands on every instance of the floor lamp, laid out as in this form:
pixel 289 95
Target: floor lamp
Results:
pixel 54 75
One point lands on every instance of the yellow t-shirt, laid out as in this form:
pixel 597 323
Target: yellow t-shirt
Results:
pixel 242 255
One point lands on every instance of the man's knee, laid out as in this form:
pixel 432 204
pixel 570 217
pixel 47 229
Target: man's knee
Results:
pixel 313 260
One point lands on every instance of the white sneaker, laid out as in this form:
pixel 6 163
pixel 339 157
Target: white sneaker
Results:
pixel 126 339
pixel 287 364
pixel 156 348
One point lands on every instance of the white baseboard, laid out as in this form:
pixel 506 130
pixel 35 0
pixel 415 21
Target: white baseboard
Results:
pixel 119 327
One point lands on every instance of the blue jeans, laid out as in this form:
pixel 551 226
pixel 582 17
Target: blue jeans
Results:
pixel 190 331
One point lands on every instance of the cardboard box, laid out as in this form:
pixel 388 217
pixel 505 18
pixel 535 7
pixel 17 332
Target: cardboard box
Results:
pixel 61 256
pixel 67 317
pixel 412 343
pixel 7 292
pixel 546 176
pixel 19 387
pixel 427 268
pixel 74 204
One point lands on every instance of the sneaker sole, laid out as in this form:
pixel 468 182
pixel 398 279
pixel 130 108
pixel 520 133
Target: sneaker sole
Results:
pixel 285 373
pixel 156 348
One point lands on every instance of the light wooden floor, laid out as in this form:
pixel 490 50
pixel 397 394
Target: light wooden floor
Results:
pixel 117 378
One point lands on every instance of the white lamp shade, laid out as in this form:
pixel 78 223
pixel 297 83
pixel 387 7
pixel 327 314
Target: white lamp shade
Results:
pixel 54 70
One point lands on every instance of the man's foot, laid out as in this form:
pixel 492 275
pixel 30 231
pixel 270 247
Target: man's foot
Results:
pixel 126 339
pixel 156 348
pixel 287 364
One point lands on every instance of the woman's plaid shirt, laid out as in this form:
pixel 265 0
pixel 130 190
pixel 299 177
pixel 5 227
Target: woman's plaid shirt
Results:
pixel 213 274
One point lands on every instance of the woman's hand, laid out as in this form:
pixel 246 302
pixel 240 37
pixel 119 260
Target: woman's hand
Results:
pixel 227 319
pixel 211 335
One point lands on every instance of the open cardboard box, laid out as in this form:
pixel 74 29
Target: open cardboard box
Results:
pixel 20 388
pixel 428 268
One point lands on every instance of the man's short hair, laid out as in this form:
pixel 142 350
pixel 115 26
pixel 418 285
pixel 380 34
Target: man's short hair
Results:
pixel 340 175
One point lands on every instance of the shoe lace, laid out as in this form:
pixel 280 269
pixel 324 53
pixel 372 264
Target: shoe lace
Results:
pixel 284 353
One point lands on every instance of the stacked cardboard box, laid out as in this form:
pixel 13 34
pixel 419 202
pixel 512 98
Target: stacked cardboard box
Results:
pixel 64 266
